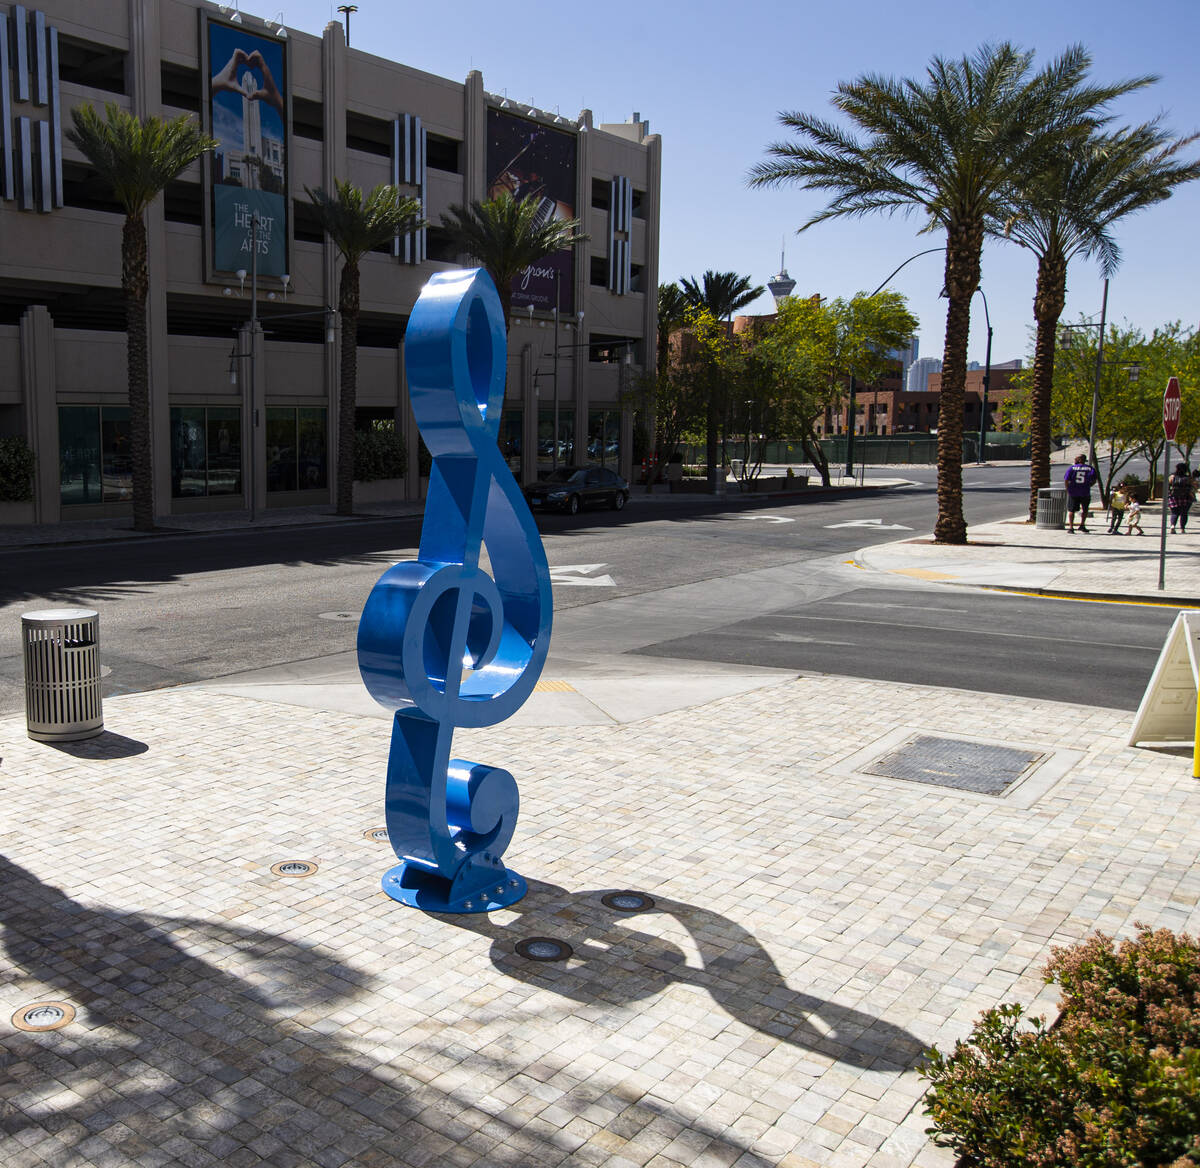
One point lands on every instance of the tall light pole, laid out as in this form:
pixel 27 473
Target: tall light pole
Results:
pixel 554 453
pixel 1090 324
pixel 853 385
pixel 987 378
pixel 749 416
pixel 345 10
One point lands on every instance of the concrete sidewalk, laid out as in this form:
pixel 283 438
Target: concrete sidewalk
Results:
pixel 1015 554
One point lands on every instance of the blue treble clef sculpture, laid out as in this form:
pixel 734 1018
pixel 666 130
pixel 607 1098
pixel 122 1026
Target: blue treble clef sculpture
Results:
pixel 440 641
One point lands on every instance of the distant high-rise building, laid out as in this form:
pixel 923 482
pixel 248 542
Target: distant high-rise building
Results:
pixel 906 356
pixel 918 373
pixel 781 285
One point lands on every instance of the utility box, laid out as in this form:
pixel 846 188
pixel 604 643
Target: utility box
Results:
pixel 62 674
pixel 1052 507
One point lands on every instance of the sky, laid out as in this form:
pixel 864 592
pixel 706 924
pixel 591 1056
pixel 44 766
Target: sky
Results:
pixel 711 79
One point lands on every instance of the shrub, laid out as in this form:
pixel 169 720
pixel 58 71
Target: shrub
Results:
pixel 379 453
pixel 1115 1083
pixel 16 470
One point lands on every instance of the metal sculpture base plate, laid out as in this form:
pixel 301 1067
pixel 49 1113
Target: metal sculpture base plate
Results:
pixel 417 887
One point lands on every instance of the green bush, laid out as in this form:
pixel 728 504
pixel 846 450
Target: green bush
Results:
pixel 379 453
pixel 1114 1083
pixel 16 470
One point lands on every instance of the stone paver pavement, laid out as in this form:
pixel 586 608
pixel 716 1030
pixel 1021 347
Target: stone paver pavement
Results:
pixel 815 927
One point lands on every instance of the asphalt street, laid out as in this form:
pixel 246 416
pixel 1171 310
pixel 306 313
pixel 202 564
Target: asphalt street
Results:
pixel 772 573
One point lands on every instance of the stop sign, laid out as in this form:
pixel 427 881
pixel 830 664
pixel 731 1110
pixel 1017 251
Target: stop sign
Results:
pixel 1171 408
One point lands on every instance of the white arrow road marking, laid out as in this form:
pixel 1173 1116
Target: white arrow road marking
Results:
pixel 580 575
pixel 769 518
pixel 876 524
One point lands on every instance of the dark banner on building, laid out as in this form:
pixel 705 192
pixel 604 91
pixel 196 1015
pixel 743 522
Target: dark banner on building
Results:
pixel 529 160
pixel 247 110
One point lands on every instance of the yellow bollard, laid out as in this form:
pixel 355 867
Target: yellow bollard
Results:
pixel 1196 743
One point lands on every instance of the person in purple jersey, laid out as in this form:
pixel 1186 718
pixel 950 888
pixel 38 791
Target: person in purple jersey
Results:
pixel 1079 479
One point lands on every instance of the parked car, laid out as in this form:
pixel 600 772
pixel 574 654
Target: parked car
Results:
pixel 568 488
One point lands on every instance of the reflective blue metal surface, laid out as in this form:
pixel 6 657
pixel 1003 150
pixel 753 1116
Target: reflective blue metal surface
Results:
pixel 440 641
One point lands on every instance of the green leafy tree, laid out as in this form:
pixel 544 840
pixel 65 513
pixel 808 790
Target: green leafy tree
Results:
pixel 356 224
pixel 696 369
pixel 944 148
pixel 1068 207
pixel 136 158
pixel 721 294
pixel 504 236
pixel 815 344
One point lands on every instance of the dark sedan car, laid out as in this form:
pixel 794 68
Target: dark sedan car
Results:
pixel 568 488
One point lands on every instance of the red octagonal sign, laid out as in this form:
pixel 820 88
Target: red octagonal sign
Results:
pixel 1171 409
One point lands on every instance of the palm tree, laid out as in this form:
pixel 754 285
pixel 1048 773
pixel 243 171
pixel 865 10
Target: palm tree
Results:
pixel 722 294
pixel 356 224
pixel 945 148
pixel 673 307
pixel 1067 209
pixel 137 157
pixel 503 234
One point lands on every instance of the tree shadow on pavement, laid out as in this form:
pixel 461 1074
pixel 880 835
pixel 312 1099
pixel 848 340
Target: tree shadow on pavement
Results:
pixel 622 957
pixel 203 1043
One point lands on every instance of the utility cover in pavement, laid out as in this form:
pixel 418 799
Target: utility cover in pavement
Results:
pixel 951 762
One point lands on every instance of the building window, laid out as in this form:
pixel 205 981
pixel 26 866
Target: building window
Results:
pixel 598 272
pixel 443 153
pixel 601 188
pixel 604 437
pixel 94 455
pixel 566 437
pixel 296 448
pixel 206 451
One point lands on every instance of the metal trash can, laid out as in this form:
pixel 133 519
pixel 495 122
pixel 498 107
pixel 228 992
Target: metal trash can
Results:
pixel 62 674
pixel 1052 507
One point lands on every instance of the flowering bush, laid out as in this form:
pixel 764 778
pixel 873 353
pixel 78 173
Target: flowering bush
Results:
pixel 1114 1083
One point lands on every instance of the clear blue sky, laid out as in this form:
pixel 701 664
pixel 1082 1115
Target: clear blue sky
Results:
pixel 711 79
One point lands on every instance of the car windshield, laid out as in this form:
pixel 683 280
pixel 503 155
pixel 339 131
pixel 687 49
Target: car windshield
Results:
pixel 565 474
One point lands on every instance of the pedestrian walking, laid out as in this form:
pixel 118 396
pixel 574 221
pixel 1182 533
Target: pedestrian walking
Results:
pixel 1079 479
pixel 1116 509
pixel 1181 494
pixel 1133 509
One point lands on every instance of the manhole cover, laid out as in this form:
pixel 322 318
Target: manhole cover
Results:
pixel 951 762
pixel 43 1016
pixel 544 949
pixel 294 868
pixel 628 901
pixel 338 616
pixel 378 834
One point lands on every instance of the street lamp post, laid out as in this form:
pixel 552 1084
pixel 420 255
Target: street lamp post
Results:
pixel 853 383
pixel 987 379
pixel 749 416
pixel 1090 324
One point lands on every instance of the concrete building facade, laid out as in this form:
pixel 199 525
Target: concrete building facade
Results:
pixel 238 417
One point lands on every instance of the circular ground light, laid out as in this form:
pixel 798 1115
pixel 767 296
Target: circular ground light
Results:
pixel 338 616
pixel 294 868
pixel 628 901
pixel 544 949
pixel 378 834
pixel 44 1016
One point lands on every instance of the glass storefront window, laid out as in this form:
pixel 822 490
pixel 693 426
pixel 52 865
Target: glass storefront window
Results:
pixel 566 438
pixel 604 437
pixel 206 451
pixel 296 448
pixel 94 455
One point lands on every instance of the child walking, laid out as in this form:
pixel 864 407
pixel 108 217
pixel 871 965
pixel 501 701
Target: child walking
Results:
pixel 1133 511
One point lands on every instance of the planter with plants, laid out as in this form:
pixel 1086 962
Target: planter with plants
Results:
pixel 1115 1080
pixel 16 480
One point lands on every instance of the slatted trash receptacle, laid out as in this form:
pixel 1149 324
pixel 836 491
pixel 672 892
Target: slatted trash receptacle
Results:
pixel 62 674
pixel 1052 507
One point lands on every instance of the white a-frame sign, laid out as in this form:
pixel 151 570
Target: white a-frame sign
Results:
pixel 1167 714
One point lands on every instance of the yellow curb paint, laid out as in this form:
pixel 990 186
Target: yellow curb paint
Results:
pixel 554 687
pixel 1082 598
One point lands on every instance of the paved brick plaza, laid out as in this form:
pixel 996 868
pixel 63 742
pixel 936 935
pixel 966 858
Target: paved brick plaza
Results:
pixel 814 928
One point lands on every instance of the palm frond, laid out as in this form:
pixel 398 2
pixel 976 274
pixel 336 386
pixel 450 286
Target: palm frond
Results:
pixel 357 222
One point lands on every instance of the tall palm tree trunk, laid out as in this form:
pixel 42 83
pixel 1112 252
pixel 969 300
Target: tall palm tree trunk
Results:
pixel 963 248
pixel 134 285
pixel 348 304
pixel 1048 303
